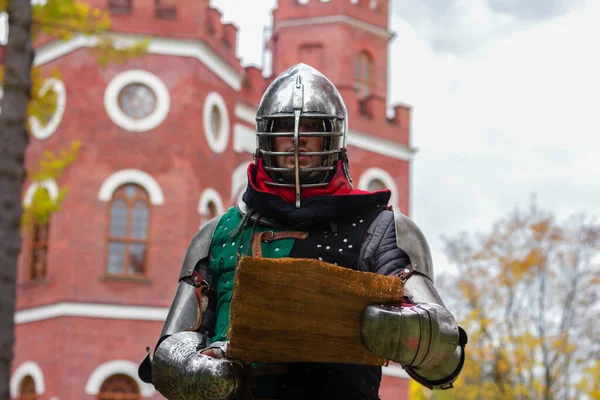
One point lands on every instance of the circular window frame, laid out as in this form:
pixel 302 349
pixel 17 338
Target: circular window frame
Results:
pixel 118 116
pixel 44 132
pixel 217 141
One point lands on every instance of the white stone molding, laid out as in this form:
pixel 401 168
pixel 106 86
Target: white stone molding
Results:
pixel 372 174
pixel 396 371
pixel 244 139
pixel 90 310
pixel 136 176
pixel 48 184
pixel 120 367
pixel 40 131
pixel 158 115
pixel 157 45
pixel 245 113
pixel 210 195
pixel 239 181
pixel 217 141
pixel 380 146
pixel 336 19
pixel 27 368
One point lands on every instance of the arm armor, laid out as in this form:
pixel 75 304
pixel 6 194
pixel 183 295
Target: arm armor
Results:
pixel 178 370
pixel 421 334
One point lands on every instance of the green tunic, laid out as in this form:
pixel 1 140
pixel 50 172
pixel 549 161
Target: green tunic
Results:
pixel 224 257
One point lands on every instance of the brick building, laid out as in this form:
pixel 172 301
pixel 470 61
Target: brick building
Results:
pixel 167 139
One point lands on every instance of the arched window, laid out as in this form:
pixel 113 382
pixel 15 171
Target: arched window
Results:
pixel 365 78
pixel 27 389
pixel 128 231
pixel 376 185
pixel 119 387
pixel 212 210
pixel 40 226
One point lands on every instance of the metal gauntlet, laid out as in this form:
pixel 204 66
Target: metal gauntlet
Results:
pixel 180 372
pixel 423 337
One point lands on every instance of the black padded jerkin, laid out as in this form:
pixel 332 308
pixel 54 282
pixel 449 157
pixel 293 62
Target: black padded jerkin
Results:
pixel 337 241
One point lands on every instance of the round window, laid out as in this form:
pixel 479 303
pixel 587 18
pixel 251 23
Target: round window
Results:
pixel 137 100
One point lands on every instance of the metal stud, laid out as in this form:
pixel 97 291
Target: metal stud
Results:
pixel 233 243
pixel 318 245
pixel 224 244
pixel 320 258
pixel 361 221
pixel 345 240
pixel 349 246
pixel 276 248
pixel 353 224
pixel 341 250
pixel 327 247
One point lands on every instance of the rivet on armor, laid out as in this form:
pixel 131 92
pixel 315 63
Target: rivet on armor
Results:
pixel 354 224
pixel 318 245
pixel 224 244
pixel 335 234
pixel 406 270
pixel 320 258
pixel 341 250
pixel 361 221
pixel 276 248
pixel 349 246
pixel 345 240
pixel 327 247
pixel 233 244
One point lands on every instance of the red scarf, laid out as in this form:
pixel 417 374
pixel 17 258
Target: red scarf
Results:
pixel 338 186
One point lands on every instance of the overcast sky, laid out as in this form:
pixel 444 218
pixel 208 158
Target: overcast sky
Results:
pixel 505 97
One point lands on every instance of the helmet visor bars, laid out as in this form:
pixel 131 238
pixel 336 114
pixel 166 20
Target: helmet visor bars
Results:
pixel 332 133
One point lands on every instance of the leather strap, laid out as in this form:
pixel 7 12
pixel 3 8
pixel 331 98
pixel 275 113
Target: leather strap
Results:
pixel 201 287
pixel 405 272
pixel 269 236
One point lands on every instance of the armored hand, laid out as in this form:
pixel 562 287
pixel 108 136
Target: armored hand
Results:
pixel 181 372
pixel 423 337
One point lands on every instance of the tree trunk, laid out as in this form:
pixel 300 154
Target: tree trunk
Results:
pixel 13 142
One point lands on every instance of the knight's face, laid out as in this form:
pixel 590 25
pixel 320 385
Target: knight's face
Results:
pixel 305 144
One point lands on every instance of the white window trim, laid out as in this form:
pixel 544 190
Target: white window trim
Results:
pixel 244 139
pixel 44 132
pixel 239 181
pixel 372 174
pixel 157 45
pixel 210 195
pixel 110 368
pixel 27 368
pixel 217 141
pixel 136 176
pixel 48 184
pixel 111 100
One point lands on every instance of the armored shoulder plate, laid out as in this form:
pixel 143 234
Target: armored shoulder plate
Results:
pixel 410 239
pixel 198 248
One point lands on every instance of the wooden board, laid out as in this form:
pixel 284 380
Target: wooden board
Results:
pixel 303 310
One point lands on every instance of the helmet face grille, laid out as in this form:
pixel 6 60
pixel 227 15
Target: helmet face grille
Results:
pixel 301 106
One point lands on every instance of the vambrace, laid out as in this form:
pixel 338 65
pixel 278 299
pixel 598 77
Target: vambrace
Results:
pixel 181 372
